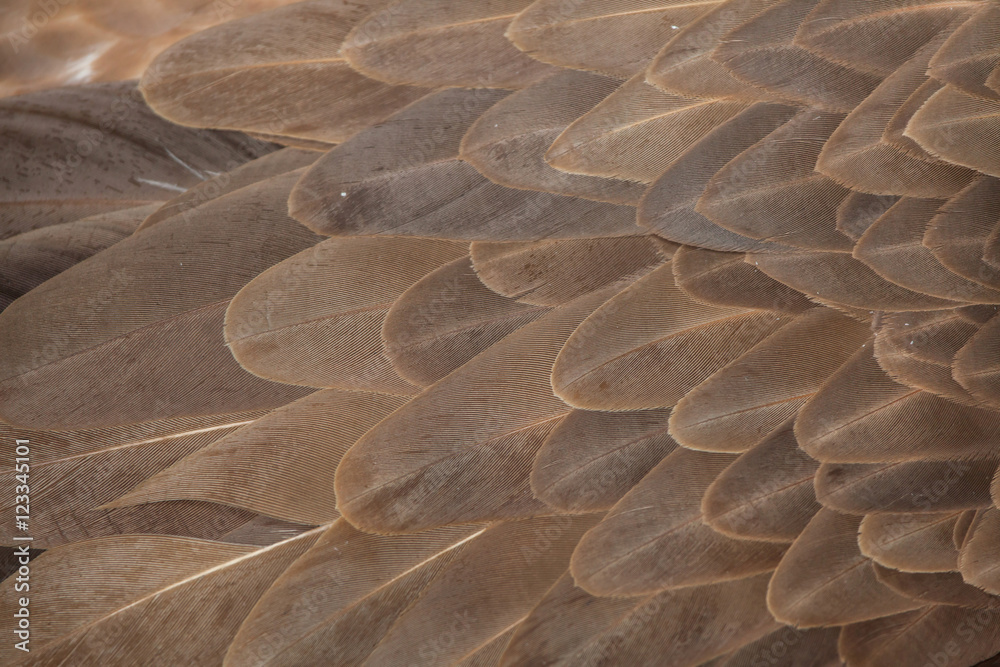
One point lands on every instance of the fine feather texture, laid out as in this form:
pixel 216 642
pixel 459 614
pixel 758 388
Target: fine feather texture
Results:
pixel 911 542
pixel 447 318
pixel 967 58
pixel 316 318
pixel 438 43
pixel 237 469
pixel 765 494
pixel 194 582
pixel 592 459
pixel 439 460
pixel 573 35
pixel 74 152
pixel 553 272
pixel 938 588
pixel 595 373
pixel 276 62
pixel 824 579
pixel 745 400
pixel 978 561
pixel 155 320
pixel 507 144
pixel 647 541
pixel 959 128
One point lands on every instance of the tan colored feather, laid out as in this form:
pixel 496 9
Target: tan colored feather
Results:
pixel 153 301
pixel 962 636
pixel 637 132
pixel 554 272
pixel 725 279
pixel 29 259
pixel 576 35
pixel 240 469
pixel 917 486
pixel 859 210
pixel 79 151
pixel 958 233
pixel 977 560
pixel 765 494
pixel 592 459
pixel 911 541
pixel 824 579
pixel 164 610
pixel 286 69
pixel 463 449
pixel 839 278
pixel 316 319
pixel 742 402
pixel 669 207
pixel 936 588
pixel 664 344
pixel 655 538
pixel 447 318
pixel 440 43
pixel 975 367
pixel 762 53
pixel 684 65
pixel 970 54
pixel 507 144
pixel 684 627
pixel 959 128
pixel 772 192
pixel 863 416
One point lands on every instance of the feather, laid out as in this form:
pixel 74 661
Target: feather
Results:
pixel 771 191
pixel 185 610
pixel 669 207
pixel 862 416
pixel 878 37
pixel 554 272
pixel 958 233
pixel 592 459
pixel 651 127
pixel 970 54
pixel 683 627
pixel 824 579
pixel 747 399
pixel 977 560
pixel 403 177
pixel 911 541
pixel 962 636
pixel 762 53
pixel 435 461
pixel 789 646
pixel 839 278
pixel 767 493
pixel 286 68
pixel 961 531
pixel 576 35
pixel 861 152
pixel 75 152
pixel 655 538
pixel 460 611
pixel 936 588
pixel 240 469
pixel 316 319
pixel 74 473
pixel 918 486
pixel 664 344
pixel 893 247
pixel 345 578
pixel 859 210
pixel 933 336
pixel 273 164
pixel 959 128
pixel 82 346
pixel 918 373
pixel 507 144
pixel 975 367
pixel 725 279
pixel 447 318
pixel 440 43
pixel 684 65
pixel 29 259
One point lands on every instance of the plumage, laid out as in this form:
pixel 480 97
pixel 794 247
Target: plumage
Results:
pixel 647 542
pixel 513 332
